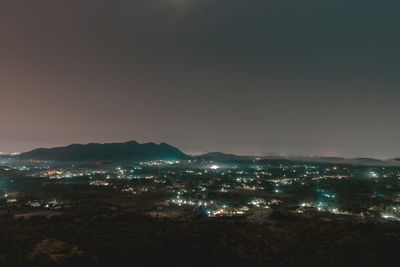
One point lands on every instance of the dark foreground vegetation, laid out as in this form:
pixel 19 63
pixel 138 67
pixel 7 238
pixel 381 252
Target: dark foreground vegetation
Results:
pixel 135 240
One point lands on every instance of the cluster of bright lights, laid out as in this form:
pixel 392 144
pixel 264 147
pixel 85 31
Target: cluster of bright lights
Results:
pixel 52 204
pixel 319 206
pixel 327 195
pixel 129 190
pixel 390 216
pixel 259 203
pixel 178 201
pixel 225 211
pixel 159 163
pixel 99 183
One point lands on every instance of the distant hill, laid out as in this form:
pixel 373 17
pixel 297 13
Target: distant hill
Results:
pixel 369 159
pixel 129 151
pixel 332 160
pixel 222 157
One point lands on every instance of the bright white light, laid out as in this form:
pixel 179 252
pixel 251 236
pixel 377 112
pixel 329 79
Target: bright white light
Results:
pixel 214 167
pixel 374 174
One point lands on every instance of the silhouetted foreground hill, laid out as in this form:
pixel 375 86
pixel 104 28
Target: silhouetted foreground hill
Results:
pixel 134 240
pixel 129 151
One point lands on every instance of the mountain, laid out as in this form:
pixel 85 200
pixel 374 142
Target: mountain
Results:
pixel 129 151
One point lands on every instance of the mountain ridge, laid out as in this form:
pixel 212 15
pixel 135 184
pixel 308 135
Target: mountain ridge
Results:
pixel 126 151
pixel 134 151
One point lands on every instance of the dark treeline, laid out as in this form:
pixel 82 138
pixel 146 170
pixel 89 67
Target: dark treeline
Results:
pixel 133 240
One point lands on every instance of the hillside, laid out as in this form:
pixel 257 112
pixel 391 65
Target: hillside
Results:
pixel 129 151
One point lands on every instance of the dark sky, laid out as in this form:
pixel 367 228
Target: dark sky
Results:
pixel 317 77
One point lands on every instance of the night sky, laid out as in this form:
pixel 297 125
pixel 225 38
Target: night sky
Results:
pixel 318 77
